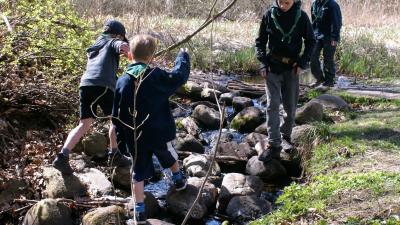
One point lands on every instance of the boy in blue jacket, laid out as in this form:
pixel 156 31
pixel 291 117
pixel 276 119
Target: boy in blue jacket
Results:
pixel 158 130
pixel 97 89
pixel 326 22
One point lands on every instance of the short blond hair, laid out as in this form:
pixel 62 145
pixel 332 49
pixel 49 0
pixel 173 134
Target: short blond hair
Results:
pixel 143 47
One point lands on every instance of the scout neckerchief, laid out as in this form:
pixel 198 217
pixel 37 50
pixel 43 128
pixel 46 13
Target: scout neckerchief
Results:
pixel 287 35
pixel 316 11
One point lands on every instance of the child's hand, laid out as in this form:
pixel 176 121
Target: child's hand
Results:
pixel 124 49
pixel 184 50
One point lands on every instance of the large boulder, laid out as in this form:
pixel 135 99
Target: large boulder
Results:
pixel 179 202
pixel 246 208
pixel 197 165
pixel 122 177
pixel 236 184
pixel 96 182
pixel 48 212
pixel 247 120
pixel 62 186
pixel 267 171
pixel 310 112
pixel 240 103
pixel 206 116
pixel 291 160
pixel 188 143
pixel 105 215
pixel 332 102
pixel 95 144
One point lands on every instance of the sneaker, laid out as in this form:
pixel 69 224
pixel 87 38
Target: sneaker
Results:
pixel 270 153
pixel 117 159
pixel 180 184
pixel 61 162
pixel 141 217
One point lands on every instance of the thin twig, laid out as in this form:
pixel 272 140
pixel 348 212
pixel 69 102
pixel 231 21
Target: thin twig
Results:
pixel 187 38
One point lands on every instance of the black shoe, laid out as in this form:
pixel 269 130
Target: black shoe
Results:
pixel 62 164
pixel 270 153
pixel 117 159
pixel 180 184
pixel 328 84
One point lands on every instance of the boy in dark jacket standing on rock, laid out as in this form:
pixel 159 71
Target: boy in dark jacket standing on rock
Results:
pixel 156 126
pixel 326 22
pixel 284 28
pixel 97 89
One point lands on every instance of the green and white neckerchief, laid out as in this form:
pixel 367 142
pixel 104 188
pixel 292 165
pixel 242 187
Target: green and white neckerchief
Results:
pixel 316 11
pixel 287 35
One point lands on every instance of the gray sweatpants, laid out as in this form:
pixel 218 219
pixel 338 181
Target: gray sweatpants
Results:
pixel 281 88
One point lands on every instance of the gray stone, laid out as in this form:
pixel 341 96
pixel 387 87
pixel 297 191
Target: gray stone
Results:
pixel 247 120
pixel 332 102
pixel 246 208
pixel 301 135
pixel 240 103
pixel 254 138
pixel 180 202
pixel 96 182
pixel 122 177
pixel 190 126
pixel 62 186
pixel 197 165
pixel 310 112
pixel 95 144
pixel 188 143
pixel 157 222
pixel 191 89
pixel 208 94
pixel 262 129
pixel 241 151
pixel 227 98
pixel 105 215
pixel 48 212
pixel 236 184
pixel 206 116
pixel 267 171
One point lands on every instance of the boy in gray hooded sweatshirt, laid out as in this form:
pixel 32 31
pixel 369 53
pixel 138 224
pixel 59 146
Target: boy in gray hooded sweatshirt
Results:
pixel 97 89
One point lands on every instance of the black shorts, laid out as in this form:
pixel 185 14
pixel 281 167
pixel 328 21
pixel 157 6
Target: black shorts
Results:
pixel 92 96
pixel 144 168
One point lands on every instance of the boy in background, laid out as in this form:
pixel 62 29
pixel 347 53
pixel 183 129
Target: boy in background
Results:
pixel 97 89
pixel 157 127
pixel 326 22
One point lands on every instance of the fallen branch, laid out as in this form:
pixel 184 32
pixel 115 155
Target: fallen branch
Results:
pixel 218 158
pixel 187 38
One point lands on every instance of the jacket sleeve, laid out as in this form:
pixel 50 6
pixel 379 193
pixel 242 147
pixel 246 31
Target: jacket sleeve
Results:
pixel 116 45
pixel 336 16
pixel 309 42
pixel 261 42
pixel 169 82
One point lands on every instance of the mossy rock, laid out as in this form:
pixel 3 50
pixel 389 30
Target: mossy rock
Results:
pixel 107 215
pixel 48 212
pixel 247 120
